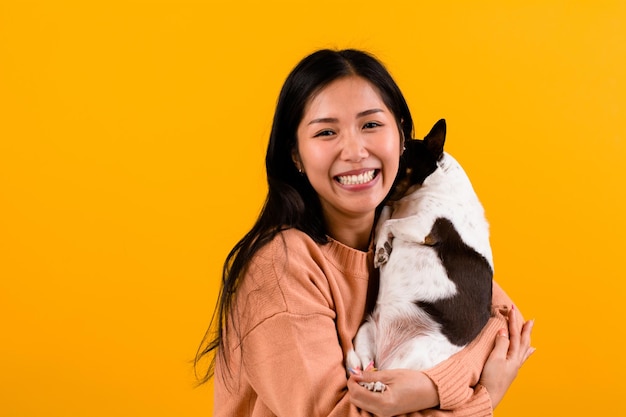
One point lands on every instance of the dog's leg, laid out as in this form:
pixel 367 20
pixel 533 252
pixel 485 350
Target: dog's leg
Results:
pixel 385 215
pixel 363 353
pixel 383 238
pixel 383 250
pixel 411 229
pixel 361 358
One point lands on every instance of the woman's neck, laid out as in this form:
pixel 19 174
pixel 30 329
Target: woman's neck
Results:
pixel 352 232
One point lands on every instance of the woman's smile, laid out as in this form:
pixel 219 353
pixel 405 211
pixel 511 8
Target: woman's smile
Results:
pixel 360 178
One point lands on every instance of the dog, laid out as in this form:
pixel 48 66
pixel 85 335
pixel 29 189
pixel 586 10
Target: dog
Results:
pixel 436 265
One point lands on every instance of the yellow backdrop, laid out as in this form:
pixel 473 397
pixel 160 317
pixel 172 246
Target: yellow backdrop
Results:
pixel 132 137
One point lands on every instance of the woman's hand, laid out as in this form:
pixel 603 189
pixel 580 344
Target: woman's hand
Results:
pixel 406 391
pixel 511 350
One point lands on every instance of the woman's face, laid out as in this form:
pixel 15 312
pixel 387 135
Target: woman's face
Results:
pixel 349 148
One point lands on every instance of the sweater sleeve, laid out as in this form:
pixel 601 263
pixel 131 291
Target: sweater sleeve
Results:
pixel 294 364
pixel 291 354
pixel 457 378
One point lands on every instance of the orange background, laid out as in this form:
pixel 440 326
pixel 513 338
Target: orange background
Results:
pixel 132 138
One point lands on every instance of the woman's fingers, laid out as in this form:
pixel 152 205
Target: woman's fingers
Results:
pixel 514 331
pixel 374 402
pixel 502 346
pixel 519 337
pixel 525 339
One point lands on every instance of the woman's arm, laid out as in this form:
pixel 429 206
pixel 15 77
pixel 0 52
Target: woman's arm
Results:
pixel 287 352
pixel 295 366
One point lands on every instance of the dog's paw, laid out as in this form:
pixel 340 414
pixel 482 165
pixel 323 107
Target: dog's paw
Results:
pixel 383 251
pixel 382 256
pixel 356 364
pixel 379 387
pixel 374 386
pixel 353 362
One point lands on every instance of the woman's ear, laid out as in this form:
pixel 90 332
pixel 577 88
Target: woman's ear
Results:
pixel 295 157
pixel 402 138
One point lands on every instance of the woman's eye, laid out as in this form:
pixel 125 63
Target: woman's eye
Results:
pixel 371 125
pixel 326 132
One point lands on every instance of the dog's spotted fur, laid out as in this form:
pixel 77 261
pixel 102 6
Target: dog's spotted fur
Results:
pixel 436 267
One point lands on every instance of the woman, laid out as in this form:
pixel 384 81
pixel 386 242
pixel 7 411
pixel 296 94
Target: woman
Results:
pixel 298 285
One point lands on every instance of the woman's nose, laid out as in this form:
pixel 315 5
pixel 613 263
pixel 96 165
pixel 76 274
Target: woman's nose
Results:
pixel 353 148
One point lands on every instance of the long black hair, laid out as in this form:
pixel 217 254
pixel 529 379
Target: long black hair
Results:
pixel 291 201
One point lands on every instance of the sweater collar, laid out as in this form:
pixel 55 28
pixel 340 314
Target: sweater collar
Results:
pixel 349 260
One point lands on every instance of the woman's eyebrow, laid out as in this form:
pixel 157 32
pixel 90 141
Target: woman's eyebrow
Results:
pixel 335 120
pixel 324 120
pixel 368 112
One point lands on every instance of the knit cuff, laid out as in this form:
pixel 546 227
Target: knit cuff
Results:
pixel 456 377
pixel 453 392
pixel 478 406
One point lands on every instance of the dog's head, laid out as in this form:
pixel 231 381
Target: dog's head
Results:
pixel 419 159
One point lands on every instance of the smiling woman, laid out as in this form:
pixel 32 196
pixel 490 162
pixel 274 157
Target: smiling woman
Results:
pixel 297 286
pixel 349 149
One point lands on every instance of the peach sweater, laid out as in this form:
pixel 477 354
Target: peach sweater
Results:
pixel 297 310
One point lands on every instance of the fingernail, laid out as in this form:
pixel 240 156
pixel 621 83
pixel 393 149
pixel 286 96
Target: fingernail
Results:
pixel 502 332
pixel 512 306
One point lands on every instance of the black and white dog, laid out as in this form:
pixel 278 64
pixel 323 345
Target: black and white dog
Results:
pixel 436 266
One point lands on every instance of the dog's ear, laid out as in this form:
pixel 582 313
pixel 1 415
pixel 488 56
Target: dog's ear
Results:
pixel 436 138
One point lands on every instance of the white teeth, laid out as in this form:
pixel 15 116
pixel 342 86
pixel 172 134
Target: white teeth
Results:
pixel 357 179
